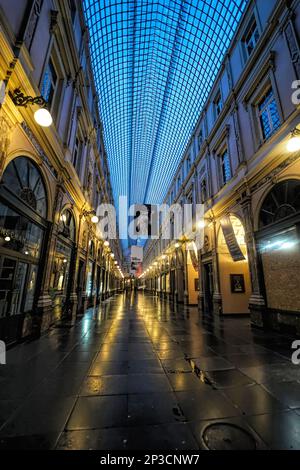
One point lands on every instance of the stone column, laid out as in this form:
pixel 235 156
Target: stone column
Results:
pixel 185 274
pixel 201 277
pixel 43 318
pixel 72 302
pixel 217 297
pixel 257 301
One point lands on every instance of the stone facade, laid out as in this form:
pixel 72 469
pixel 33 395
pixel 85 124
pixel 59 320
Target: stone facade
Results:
pixel 233 161
pixel 44 51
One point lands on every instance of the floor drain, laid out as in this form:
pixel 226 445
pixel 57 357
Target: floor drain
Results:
pixel 226 436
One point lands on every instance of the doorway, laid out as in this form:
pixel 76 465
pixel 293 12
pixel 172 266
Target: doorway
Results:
pixel 17 280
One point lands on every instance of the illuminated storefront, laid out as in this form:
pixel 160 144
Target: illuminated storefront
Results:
pixel 63 264
pixel 279 253
pixel 23 208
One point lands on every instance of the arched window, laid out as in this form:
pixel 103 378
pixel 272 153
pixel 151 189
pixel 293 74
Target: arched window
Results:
pixel 24 178
pixel 67 224
pixel 282 201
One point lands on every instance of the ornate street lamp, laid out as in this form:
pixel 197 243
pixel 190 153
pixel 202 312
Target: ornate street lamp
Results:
pixel 42 116
pixel 293 144
pixel 94 218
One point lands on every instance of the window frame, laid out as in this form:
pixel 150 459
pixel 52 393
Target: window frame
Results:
pixel 251 22
pixel 259 113
pixel 223 150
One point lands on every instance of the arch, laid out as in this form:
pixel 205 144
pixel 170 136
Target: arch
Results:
pixel 25 177
pixel 280 202
pixel 67 224
pixel 234 272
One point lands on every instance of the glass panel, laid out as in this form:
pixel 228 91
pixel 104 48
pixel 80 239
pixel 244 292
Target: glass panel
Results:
pixel 154 65
pixel 7 272
pixel 22 176
pixel 18 234
pixel 30 288
pixel 89 281
pixel 61 269
pixel 18 290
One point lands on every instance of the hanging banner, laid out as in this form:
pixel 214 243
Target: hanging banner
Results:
pixel 230 239
pixel 136 258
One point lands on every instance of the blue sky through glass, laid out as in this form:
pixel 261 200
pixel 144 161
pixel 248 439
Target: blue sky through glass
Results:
pixel 154 64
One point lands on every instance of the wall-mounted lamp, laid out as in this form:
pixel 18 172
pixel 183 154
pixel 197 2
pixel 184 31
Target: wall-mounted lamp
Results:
pixel 42 116
pixel 294 142
pixel 94 218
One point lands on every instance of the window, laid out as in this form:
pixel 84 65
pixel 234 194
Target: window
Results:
pixel 49 83
pixel 178 183
pixel 72 5
pixel 268 114
pixel 218 104
pixel 251 38
pixel 225 167
pixel 188 163
pixel 200 139
pixel 77 154
pixel 203 190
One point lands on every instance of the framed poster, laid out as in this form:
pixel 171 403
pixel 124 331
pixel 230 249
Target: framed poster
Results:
pixel 237 282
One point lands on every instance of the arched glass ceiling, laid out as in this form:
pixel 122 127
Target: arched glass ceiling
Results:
pixel 154 64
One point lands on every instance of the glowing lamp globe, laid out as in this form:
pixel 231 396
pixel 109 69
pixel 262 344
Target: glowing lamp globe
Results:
pixel 43 117
pixel 293 144
pixel 95 219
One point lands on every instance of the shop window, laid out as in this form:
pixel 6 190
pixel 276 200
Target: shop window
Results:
pixel 67 225
pixel 23 177
pixel 282 201
pixel 268 114
pixel 250 38
pixel 225 167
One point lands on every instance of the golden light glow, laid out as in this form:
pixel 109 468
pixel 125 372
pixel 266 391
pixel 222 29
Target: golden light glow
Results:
pixel 43 118
pixel 293 144
pixel 106 243
pixel 95 219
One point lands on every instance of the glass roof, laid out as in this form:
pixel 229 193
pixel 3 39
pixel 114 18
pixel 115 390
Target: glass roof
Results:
pixel 154 64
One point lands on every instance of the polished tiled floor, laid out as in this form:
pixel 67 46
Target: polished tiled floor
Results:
pixel 140 374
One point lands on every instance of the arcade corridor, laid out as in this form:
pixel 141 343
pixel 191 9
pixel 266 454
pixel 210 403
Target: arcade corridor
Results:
pixel 139 374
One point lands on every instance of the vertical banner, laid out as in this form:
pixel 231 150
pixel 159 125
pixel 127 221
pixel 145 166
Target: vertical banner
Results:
pixel 136 258
pixel 230 239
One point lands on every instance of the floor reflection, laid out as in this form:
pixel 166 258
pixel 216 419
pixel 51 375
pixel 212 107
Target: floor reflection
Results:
pixel 139 372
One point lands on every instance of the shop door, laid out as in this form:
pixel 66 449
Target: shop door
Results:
pixel 13 279
pixel 208 287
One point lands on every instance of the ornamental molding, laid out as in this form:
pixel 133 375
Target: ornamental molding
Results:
pixel 38 148
pixel 275 172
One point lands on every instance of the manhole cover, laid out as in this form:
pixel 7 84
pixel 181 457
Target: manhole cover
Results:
pixel 226 436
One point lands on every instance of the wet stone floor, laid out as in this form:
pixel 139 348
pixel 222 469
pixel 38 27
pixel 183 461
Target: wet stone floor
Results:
pixel 141 374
